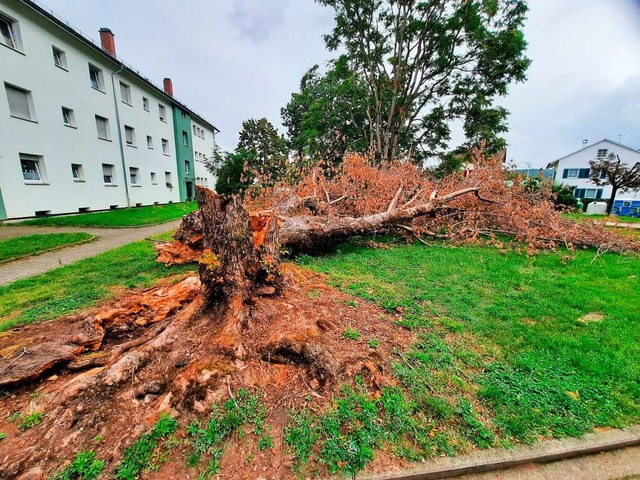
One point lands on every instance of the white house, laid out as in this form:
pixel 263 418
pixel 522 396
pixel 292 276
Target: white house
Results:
pixel 574 169
pixel 79 129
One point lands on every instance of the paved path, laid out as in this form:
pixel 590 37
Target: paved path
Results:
pixel 623 225
pixel 615 465
pixel 108 238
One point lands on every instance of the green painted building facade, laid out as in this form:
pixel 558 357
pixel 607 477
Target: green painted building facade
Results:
pixel 184 153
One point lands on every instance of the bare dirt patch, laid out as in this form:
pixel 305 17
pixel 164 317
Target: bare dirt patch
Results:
pixel 110 372
pixel 591 317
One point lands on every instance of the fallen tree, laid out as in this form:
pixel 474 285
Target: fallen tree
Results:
pixel 249 319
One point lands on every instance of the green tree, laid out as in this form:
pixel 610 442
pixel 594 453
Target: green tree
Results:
pixel 612 171
pixel 233 174
pixel 266 151
pixel 430 62
pixel 328 117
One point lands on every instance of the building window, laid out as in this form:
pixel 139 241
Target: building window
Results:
pixel 163 112
pixel 68 117
pixel 59 58
pixel 165 146
pixel 185 138
pixel 154 178
pixel 125 93
pixel 187 167
pixel 32 168
pixel 570 173
pixel 130 136
pixel 602 152
pixel 202 133
pixel 149 141
pixel 590 193
pixel 108 174
pixel 167 180
pixel 603 174
pixel 20 103
pixel 77 172
pixel 9 33
pixel 145 103
pixel 183 114
pixel 195 130
pixel 134 175
pixel 102 125
pixel 95 76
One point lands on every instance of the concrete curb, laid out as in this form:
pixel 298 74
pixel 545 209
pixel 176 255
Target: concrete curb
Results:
pixel 483 461
pixel 93 238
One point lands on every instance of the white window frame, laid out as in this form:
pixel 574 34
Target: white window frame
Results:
pixel 185 138
pixel 187 167
pixel 39 168
pixel 573 172
pixel 145 104
pixel 162 113
pixel 604 153
pixel 150 142
pixel 168 179
pixel 112 174
pixel 99 84
pixel 125 94
pixel 13 40
pixel 69 117
pixel 77 172
pixel 134 176
pixel 59 58
pixel 107 129
pixel 130 136
pixel 29 103
pixel 589 190
pixel 154 178
pixel 165 146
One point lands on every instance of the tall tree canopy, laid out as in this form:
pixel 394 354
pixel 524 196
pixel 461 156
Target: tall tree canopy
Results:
pixel 266 149
pixel 428 63
pixel 328 117
pixel 613 171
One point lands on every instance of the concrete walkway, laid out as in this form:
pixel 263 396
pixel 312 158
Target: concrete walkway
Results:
pixel 605 455
pixel 108 238
pixel 635 226
pixel 615 465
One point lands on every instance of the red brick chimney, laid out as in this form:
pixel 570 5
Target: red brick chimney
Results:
pixel 168 86
pixel 108 41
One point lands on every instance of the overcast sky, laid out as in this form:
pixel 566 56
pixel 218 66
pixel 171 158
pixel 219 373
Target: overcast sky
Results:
pixel 235 59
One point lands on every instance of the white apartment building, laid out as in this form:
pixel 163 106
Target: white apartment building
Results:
pixel 79 129
pixel 574 169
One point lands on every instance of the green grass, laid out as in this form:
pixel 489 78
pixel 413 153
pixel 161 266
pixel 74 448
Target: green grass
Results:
pixel 124 217
pixel 32 244
pixel 503 352
pixel 605 218
pixel 139 456
pixel 78 286
pixel 209 440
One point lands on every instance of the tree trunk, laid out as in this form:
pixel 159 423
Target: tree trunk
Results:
pixel 222 218
pixel 612 199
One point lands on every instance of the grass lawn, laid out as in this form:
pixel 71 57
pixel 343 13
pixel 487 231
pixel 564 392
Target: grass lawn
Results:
pixel 32 244
pixel 510 348
pixel 80 285
pixel 124 217
pixel 605 218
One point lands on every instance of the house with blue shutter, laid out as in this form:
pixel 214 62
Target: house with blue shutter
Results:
pixel 574 169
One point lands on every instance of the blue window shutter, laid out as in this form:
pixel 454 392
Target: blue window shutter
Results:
pixel 599 193
pixel 583 173
pixel 565 173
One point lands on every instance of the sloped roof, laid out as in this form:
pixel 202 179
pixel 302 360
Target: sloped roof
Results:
pixel 554 164
pixel 47 13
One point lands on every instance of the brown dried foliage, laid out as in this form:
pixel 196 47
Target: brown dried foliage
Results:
pixel 506 205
